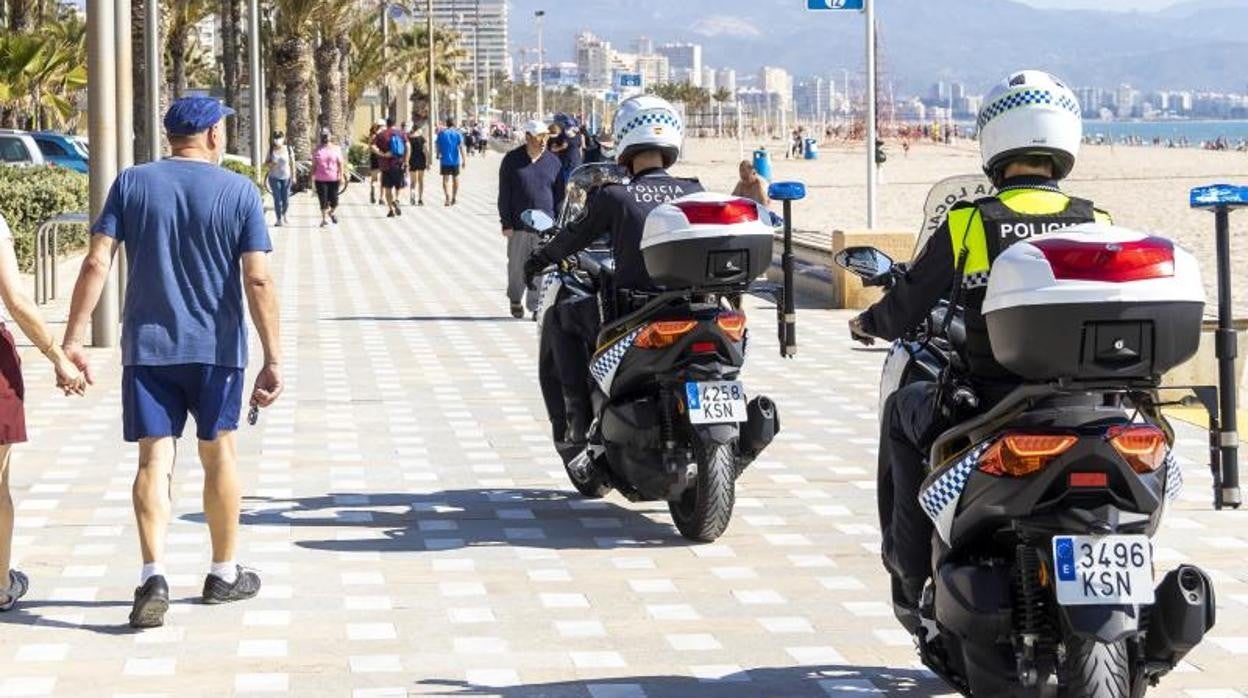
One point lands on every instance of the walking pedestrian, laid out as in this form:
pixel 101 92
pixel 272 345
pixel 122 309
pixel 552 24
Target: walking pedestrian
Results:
pixel 527 179
pixel 417 163
pixel 281 168
pixel 390 146
pixel 14 584
pixel 453 158
pixel 374 163
pixel 194 236
pixel 329 172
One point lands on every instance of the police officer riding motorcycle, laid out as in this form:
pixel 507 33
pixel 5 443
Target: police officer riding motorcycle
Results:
pixel 648 133
pixel 1030 132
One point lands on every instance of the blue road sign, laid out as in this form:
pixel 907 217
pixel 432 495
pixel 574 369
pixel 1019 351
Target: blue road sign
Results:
pixel 834 4
pixel 630 80
pixel 1220 196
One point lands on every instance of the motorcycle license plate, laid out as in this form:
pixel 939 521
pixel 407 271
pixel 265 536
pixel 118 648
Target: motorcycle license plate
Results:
pixel 717 402
pixel 1103 570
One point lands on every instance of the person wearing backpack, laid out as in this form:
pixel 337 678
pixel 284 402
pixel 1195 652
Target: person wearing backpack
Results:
pixel 390 146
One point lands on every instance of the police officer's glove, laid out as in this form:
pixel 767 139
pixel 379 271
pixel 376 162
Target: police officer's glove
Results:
pixel 534 266
pixel 858 334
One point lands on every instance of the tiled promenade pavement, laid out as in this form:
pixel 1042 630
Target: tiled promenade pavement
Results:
pixel 416 534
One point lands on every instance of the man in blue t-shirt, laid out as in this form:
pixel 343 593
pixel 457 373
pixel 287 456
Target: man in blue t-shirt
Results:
pixel 453 158
pixel 194 236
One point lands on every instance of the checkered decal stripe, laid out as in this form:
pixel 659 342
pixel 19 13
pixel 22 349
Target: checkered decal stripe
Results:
pixel 604 365
pixel 1024 98
pixel 1174 477
pixel 649 118
pixel 977 279
pixel 940 499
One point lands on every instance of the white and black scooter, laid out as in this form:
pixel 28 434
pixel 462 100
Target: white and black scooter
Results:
pixel 1045 507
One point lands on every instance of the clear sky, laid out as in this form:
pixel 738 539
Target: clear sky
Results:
pixel 1122 5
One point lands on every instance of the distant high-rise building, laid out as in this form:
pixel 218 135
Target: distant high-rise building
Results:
pixel 485 40
pixel 594 61
pixel 812 98
pixel 939 92
pixel 684 62
pixel 726 78
pixel 644 46
pixel 777 81
pixel 653 68
pixel 708 79
pixel 957 91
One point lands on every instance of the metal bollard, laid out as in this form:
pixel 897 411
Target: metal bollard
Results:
pixel 47 242
pixel 1222 199
pixel 788 192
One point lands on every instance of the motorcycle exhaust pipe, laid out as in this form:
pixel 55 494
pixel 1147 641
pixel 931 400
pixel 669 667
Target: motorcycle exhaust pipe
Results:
pixel 1184 610
pixel 761 426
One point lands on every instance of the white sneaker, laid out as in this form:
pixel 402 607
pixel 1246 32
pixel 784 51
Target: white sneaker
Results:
pixel 18 586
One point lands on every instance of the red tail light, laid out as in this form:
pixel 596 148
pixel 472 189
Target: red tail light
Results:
pixel 719 212
pixel 1018 455
pixel 1090 480
pixel 1117 262
pixel 1142 446
pixel 733 325
pixel 704 348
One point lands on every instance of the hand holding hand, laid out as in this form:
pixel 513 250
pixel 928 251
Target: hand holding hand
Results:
pixel 76 355
pixel 69 378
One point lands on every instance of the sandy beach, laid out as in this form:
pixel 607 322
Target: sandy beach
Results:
pixel 1144 188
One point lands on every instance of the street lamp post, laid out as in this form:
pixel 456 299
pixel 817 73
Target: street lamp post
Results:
pixel 541 103
pixel 255 94
pixel 476 62
pixel 151 89
pixel 102 129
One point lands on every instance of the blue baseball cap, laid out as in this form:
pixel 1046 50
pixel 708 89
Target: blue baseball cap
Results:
pixel 191 115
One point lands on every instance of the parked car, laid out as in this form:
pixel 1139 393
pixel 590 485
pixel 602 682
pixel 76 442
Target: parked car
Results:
pixel 62 150
pixel 18 148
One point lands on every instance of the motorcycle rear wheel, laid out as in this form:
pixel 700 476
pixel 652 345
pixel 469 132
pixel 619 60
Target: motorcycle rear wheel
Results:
pixel 702 513
pixel 1095 669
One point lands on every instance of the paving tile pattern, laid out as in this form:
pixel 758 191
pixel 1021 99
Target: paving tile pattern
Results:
pixel 416 534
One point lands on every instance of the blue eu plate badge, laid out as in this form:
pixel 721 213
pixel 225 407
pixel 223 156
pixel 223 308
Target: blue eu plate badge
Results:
pixel 1064 558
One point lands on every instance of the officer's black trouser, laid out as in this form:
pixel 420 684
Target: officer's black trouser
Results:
pixel 569 332
pixel 909 426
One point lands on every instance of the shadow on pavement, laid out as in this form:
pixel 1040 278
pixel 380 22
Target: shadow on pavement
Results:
pixel 25 614
pixel 423 318
pixel 791 682
pixel 455 519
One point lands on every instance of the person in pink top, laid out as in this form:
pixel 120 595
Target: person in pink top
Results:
pixel 329 172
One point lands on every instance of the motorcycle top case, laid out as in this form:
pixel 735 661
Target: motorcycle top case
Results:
pixel 707 240
pixel 1094 302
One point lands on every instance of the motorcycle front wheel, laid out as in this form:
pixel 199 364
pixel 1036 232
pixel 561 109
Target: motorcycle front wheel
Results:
pixel 703 511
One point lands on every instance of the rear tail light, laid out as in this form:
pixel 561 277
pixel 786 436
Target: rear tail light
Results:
pixel 733 325
pixel 658 335
pixel 1142 446
pixel 718 212
pixel 1077 260
pixel 1017 455
pixel 704 348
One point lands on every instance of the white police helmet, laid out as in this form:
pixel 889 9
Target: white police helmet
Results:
pixel 1030 113
pixel 647 122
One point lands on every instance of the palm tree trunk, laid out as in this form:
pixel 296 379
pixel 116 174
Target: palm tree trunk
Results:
pixel 328 85
pixel 292 63
pixel 344 81
pixel 231 27
pixel 178 44
pixel 21 17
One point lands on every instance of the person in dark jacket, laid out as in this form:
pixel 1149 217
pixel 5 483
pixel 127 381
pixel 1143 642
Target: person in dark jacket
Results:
pixel 1030 131
pixel 649 134
pixel 527 179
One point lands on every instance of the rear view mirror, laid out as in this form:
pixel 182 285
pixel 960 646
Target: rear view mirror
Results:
pixel 864 262
pixel 537 220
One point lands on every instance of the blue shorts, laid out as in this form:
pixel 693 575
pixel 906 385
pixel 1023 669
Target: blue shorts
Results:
pixel 156 400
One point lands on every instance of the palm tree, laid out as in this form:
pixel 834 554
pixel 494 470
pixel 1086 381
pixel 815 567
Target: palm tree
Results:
pixel 292 58
pixel 40 74
pixel 230 12
pixel 180 42
pixel 410 58
pixel 334 20
pixel 21 14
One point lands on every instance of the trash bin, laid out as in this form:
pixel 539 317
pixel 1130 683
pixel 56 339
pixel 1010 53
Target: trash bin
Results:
pixel 762 163
pixel 812 149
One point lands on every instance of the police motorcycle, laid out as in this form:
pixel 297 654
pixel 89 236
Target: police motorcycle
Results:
pixel 1043 578
pixel 672 420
